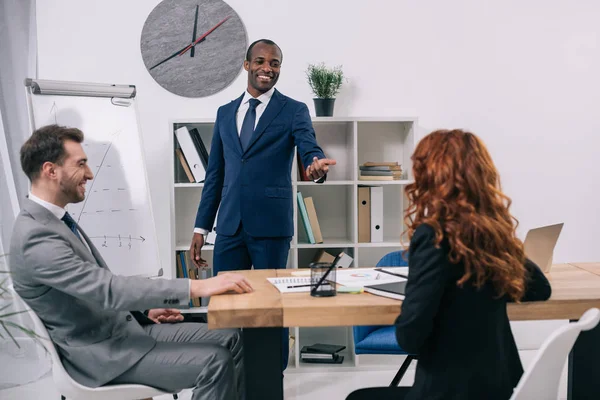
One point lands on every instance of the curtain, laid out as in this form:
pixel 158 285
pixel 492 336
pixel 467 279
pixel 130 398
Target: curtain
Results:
pixel 22 359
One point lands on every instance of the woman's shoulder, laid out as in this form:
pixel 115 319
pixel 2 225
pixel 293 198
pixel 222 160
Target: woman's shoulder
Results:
pixel 423 232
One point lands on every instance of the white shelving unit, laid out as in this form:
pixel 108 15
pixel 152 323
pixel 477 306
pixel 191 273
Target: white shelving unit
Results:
pixel 351 142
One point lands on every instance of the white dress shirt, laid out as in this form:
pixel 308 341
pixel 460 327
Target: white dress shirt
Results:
pixel 58 212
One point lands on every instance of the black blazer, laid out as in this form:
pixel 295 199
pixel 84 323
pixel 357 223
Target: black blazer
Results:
pixel 462 335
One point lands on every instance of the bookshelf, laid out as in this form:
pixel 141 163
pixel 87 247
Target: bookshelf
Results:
pixel 351 141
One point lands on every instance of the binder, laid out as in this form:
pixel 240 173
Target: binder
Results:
pixel 200 148
pixel 376 214
pixel 364 214
pixel 314 221
pixel 191 154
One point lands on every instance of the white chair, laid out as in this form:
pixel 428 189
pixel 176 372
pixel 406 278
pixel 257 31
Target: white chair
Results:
pixel 542 378
pixel 70 389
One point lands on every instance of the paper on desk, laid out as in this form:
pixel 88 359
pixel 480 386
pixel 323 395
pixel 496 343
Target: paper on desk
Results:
pixel 360 277
pixel 283 284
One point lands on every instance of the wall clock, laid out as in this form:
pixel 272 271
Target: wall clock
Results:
pixel 193 48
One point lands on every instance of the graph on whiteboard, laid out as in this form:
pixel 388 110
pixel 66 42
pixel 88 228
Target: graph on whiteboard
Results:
pixel 116 213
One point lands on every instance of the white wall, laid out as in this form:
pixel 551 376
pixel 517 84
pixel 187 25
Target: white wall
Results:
pixel 522 75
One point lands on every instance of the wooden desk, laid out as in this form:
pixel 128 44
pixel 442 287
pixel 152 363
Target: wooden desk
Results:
pixel 575 288
pixel 594 268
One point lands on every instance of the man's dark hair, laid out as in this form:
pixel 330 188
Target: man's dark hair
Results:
pixel 265 41
pixel 46 144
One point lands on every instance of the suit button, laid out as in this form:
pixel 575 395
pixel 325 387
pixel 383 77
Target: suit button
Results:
pixel 129 318
pixel 243 160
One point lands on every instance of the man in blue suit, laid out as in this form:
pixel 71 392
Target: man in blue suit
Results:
pixel 249 170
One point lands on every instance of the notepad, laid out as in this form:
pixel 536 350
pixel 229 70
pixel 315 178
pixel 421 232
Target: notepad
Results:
pixel 284 284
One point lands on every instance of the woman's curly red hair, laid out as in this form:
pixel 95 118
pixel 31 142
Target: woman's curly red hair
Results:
pixel 457 191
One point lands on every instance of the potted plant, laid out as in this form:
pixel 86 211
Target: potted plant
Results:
pixel 325 83
pixel 6 304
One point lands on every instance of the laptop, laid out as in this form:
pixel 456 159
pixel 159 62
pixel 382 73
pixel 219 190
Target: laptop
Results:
pixel 539 245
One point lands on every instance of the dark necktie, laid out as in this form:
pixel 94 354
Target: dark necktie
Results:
pixel 248 124
pixel 67 219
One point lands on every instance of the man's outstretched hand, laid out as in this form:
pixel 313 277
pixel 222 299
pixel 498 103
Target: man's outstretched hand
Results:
pixel 222 283
pixel 319 168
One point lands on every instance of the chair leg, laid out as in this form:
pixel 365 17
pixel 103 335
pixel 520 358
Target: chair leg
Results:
pixel 402 371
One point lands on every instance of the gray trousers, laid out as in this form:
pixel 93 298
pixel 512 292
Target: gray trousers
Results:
pixel 189 355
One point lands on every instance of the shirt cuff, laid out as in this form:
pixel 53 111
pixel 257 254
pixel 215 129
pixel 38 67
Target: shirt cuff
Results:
pixel 201 230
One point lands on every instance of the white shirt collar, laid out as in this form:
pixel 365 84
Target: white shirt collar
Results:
pixel 264 98
pixel 58 212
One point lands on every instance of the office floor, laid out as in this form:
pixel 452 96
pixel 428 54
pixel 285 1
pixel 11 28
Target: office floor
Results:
pixel 298 386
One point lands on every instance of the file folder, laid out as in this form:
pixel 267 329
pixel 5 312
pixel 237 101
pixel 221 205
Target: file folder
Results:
pixel 376 214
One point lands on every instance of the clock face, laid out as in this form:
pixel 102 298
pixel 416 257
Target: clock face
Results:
pixel 194 48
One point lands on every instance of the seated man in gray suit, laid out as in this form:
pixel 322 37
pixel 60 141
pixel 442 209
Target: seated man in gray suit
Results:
pixel 62 277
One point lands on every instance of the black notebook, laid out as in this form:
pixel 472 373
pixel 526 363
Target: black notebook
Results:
pixel 324 348
pixel 394 290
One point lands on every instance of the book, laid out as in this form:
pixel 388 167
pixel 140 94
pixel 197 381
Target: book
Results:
pixel 381 164
pixel 304 218
pixel 380 168
pixel 379 178
pixel 336 359
pixel 200 148
pixel 323 348
pixel 381 173
pixel 393 290
pixel 184 165
pixel 314 221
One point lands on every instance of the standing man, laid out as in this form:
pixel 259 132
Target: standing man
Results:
pixel 249 170
pixel 87 310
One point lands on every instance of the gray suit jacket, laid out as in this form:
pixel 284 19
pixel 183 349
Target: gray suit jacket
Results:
pixel 83 305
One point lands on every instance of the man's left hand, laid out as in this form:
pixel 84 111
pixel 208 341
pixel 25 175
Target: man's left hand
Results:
pixel 165 315
pixel 319 168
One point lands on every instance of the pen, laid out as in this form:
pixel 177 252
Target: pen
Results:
pixel 391 273
pixel 296 286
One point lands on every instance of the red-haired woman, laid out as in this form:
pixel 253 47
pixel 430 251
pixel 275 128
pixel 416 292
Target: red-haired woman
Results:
pixel 465 264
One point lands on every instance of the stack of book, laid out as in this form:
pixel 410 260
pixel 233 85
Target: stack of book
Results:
pixel 380 171
pixel 322 353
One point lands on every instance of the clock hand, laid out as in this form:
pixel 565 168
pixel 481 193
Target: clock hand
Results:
pixel 201 38
pixel 194 34
pixel 171 56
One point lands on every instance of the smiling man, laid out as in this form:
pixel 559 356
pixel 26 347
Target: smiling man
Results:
pixel 61 276
pixel 249 171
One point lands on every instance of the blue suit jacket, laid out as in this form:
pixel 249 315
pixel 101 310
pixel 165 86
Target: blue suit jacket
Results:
pixel 255 186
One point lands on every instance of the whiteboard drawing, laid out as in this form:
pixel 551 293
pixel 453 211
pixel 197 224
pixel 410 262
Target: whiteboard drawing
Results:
pixel 116 213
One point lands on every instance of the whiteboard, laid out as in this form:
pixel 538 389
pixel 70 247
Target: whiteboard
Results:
pixel 116 213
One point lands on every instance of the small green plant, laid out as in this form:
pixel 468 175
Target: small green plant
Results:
pixel 6 297
pixel 325 82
